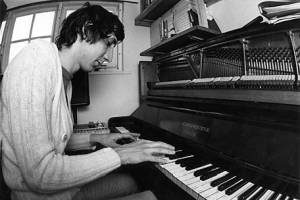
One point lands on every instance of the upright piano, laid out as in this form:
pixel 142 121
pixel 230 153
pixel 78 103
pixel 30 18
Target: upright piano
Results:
pixel 231 107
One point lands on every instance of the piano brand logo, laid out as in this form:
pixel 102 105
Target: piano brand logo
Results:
pixel 196 127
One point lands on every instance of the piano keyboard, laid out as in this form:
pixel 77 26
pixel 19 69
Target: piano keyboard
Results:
pixel 209 179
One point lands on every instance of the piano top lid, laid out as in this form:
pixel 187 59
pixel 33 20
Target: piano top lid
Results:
pixel 187 37
pixel 249 31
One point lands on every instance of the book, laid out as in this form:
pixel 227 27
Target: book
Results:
pixel 91 128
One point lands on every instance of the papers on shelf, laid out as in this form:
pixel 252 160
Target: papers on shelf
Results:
pixel 277 12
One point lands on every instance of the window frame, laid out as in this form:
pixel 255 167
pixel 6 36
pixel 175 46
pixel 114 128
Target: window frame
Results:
pixel 60 9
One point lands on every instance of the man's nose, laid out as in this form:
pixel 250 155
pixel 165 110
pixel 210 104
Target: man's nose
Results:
pixel 109 54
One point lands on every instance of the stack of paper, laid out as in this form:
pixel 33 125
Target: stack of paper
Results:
pixel 277 12
pixel 185 14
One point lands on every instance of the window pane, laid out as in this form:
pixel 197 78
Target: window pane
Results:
pixel 15 48
pixel 43 24
pixel 22 28
pixel 69 12
pixel 2 30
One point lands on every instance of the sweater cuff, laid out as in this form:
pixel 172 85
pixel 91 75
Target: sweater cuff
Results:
pixel 79 141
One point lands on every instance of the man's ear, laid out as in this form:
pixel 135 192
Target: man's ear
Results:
pixel 84 29
pixel 83 33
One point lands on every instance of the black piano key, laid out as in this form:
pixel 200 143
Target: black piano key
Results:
pixel 221 180
pixel 204 170
pixel 229 183
pixel 288 191
pixel 248 192
pixel 190 160
pixel 180 154
pixel 259 194
pixel 282 197
pixel 273 196
pixel 295 192
pixel 185 160
pixel 236 187
pixel 211 174
pixel 196 165
pixel 275 187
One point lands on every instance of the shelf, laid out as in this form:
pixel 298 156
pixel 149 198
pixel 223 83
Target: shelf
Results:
pixel 154 11
pixel 158 8
pixel 180 40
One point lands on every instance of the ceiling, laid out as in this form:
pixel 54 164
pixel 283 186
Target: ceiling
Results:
pixel 14 3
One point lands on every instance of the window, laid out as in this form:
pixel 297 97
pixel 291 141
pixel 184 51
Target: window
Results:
pixel 25 25
pixel 30 27
pixel 43 22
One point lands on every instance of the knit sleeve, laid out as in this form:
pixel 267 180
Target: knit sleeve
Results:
pixel 79 141
pixel 36 143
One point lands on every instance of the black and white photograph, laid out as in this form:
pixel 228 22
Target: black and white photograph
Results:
pixel 149 99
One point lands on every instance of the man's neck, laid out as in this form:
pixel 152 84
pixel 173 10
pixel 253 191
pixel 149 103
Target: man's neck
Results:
pixel 68 58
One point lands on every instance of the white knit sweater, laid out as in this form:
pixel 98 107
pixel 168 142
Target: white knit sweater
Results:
pixel 34 120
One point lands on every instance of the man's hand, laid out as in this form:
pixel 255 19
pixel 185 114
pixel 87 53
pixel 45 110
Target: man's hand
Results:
pixel 110 139
pixel 142 151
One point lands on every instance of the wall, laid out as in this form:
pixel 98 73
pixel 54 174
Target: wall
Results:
pixel 118 94
pixel 233 14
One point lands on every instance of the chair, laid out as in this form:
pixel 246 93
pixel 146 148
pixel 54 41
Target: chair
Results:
pixel 4 189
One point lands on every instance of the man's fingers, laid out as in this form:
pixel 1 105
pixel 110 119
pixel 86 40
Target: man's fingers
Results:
pixel 131 135
pixel 135 134
pixel 160 151
pixel 159 144
pixel 156 159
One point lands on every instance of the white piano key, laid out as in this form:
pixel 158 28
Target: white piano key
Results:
pixel 187 177
pixel 175 170
pixel 208 192
pixel 183 173
pixel 178 180
pixel 183 183
pixel 200 183
pixel 168 165
pixel 236 194
pixel 174 160
pixel 191 175
pixel 202 188
pixel 267 195
pixel 256 191
pixel 196 187
pixel 201 197
pixel 278 197
pixel 216 195
pixel 189 182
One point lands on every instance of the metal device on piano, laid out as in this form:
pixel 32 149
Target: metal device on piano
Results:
pixel 231 107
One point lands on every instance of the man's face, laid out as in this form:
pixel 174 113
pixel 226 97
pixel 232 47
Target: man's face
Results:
pixel 93 55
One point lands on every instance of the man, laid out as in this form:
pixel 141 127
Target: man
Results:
pixel 36 124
